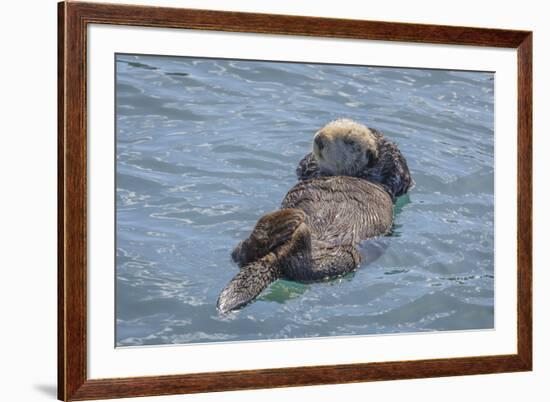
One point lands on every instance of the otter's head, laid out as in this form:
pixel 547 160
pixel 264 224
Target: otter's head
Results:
pixel 344 148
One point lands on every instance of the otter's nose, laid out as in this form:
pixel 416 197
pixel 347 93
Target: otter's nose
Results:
pixel 319 142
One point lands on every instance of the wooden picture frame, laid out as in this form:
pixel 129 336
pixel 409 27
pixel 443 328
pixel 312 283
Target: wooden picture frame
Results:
pixel 73 381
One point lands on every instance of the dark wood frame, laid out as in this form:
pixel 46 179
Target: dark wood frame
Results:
pixel 73 383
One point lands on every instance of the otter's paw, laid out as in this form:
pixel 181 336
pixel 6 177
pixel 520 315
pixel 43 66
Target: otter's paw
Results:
pixel 271 231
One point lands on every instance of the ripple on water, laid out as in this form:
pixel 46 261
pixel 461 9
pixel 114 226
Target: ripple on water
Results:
pixel 205 147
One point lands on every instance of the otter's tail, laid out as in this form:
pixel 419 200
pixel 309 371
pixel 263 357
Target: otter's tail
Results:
pixel 251 280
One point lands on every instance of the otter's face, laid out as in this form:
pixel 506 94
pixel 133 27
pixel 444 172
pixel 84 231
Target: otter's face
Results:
pixel 344 148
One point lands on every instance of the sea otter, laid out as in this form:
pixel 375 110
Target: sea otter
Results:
pixel 345 194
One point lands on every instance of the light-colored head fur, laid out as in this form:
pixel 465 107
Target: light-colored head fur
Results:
pixel 344 147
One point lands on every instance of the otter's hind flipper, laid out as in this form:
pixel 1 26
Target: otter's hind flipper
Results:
pixel 327 262
pixel 335 261
pixel 271 231
pixel 251 280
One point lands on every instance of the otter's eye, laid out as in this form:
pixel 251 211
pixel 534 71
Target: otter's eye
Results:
pixel 347 141
pixel 319 142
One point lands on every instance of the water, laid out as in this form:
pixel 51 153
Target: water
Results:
pixel 205 147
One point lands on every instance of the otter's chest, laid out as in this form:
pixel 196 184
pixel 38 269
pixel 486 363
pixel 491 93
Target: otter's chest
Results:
pixel 342 207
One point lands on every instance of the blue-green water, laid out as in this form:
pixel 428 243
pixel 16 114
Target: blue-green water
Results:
pixel 205 147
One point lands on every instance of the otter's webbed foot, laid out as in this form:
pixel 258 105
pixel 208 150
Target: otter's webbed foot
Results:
pixel 336 261
pixel 332 262
pixel 251 280
pixel 271 231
